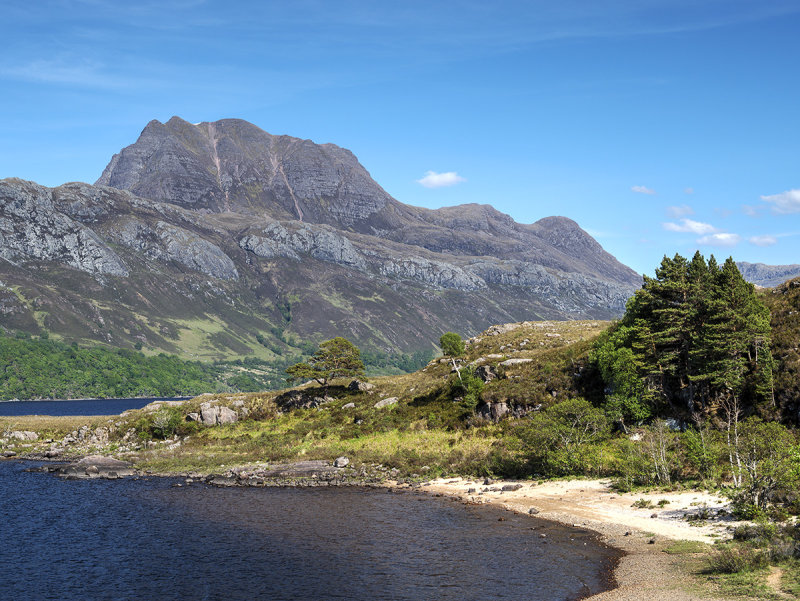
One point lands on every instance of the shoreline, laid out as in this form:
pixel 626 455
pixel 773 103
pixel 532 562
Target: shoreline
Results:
pixel 643 572
pixel 121 398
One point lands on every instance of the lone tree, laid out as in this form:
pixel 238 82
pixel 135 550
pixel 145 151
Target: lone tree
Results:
pixel 335 358
pixel 452 346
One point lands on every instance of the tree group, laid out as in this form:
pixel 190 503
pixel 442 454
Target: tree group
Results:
pixel 694 340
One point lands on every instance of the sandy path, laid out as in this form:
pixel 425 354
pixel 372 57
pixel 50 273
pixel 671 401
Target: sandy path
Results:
pixel 645 573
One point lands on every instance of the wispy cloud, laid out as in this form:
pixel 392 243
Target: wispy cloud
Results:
pixel 720 239
pixel 88 74
pixel 440 180
pixel 688 190
pixel 785 202
pixel 690 226
pixel 763 240
pixel 679 211
pixel 751 211
pixel 643 190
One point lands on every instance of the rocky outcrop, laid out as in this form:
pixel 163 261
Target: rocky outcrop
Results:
pixel 359 386
pixel 165 242
pixel 495 411
pixel 96 466
pixel 294 240
pixel 215 415
pixel 437 273
pixel 32 228
pixel 301 399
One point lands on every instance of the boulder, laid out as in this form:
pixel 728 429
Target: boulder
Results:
pixel 511 487
pixel 510 362
pixel 349 406
pixel 497 410
pixel 208 414
pixel 24 435
pixel 386 402
pixel 226 415
pixel 359 386
pixel 486 373
pixel 212 415
pixel 193 417
pixel 341 462
pixel 99 436
pixel 301 399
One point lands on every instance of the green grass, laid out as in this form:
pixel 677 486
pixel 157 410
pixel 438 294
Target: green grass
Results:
pixel 682 547
pixel 50 427
pixel 749 584
pixel 790 583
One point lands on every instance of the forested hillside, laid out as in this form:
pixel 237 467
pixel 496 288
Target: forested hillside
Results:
pixel 41 368
pixel 32 369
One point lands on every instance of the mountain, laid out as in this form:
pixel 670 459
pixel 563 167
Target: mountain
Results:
pixel 219 240
pixel 767 276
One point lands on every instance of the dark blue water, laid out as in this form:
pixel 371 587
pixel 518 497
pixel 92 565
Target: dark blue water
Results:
pixel 81 407
pixel 146 539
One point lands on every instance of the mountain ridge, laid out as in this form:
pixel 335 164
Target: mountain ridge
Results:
pixel 203 239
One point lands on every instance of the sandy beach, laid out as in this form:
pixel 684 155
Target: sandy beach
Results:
pixel 645 572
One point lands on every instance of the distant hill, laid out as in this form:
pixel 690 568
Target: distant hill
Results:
pixel 767 276
pixel 217 240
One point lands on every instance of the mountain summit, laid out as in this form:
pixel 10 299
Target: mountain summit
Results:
pixel 220 239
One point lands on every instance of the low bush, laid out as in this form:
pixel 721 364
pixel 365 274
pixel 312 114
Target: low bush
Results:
pixel 730 560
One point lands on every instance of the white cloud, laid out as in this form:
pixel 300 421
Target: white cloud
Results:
pixel 643 190
pixel 750 210
pixel 721 239
pixel 679 211
pixel 690 226
pixel 763 240
pixel 785 202
pixel 688 190
pixel 440 180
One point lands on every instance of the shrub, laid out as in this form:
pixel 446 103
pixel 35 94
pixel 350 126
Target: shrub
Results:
pixel 743 510
pixel 468 386
pixel 559 440
pixel 166 422
pixel 730 560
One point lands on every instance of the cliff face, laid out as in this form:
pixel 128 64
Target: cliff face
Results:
pixel 204 236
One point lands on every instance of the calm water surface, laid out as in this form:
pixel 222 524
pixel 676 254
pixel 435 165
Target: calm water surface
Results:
pixel 147 539
pixel 81 407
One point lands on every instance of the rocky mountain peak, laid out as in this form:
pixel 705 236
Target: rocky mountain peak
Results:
pixel 233 166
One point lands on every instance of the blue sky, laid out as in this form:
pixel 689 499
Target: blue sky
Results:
pixel 660 126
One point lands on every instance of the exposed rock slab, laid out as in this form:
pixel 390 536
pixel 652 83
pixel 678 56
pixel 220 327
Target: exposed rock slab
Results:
pixel 97 466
